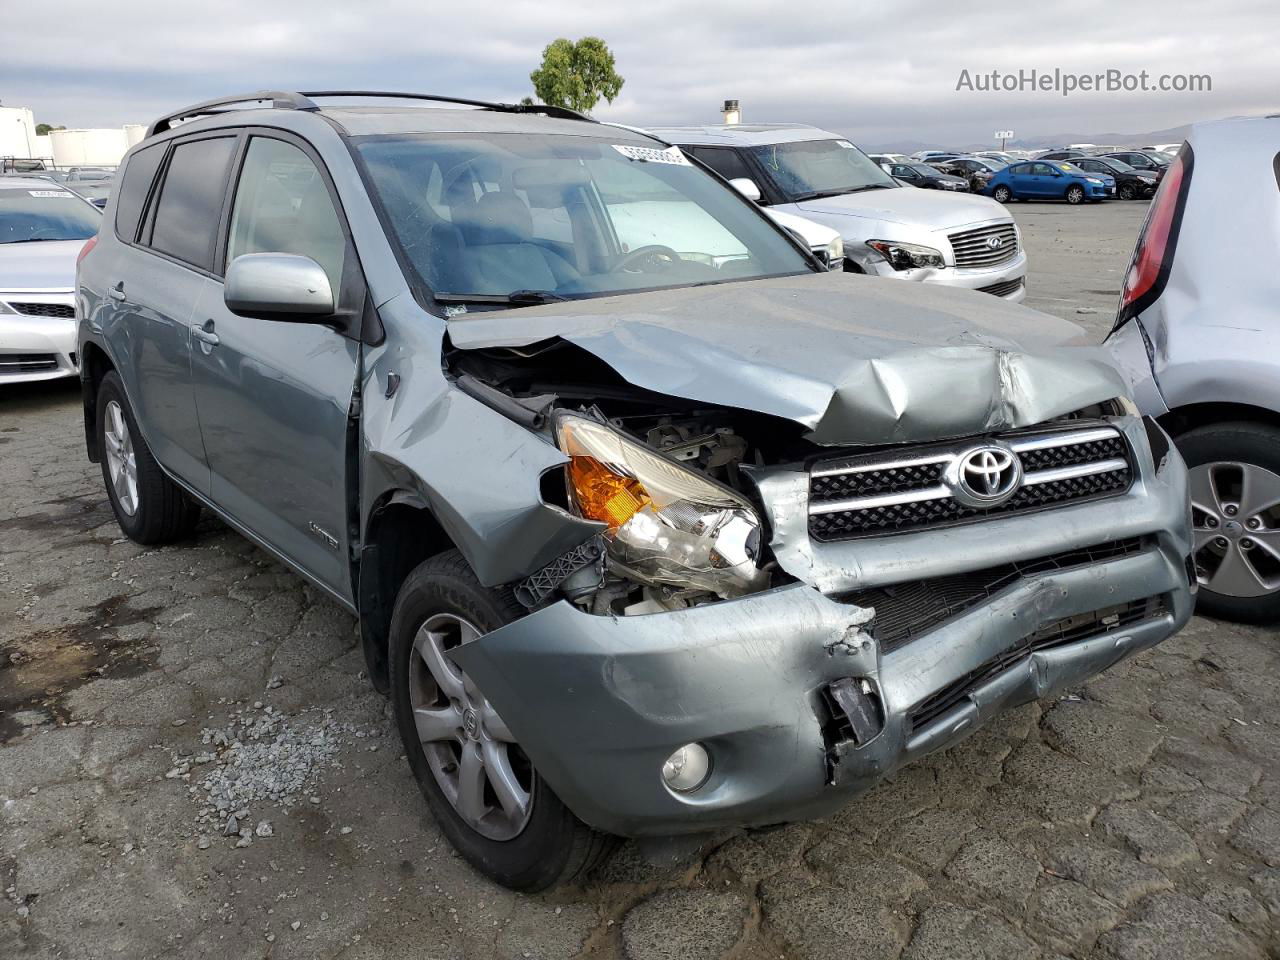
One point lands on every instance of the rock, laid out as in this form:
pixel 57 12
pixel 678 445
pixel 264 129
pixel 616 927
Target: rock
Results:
pixel 684 925
pixel 1259 836
pixel 956 933
pixel 203 843
pixel 1107 872
pixel 825 921
pixel 1096 734
pixel 1172 926
pixel 991 866
pixel 1154 839
pixel 232 828
pixel 1214 766
pixel 861 871
pixel 263 829
pixel 1073 912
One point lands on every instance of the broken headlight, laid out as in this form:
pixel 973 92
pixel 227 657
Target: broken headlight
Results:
pixel 667 525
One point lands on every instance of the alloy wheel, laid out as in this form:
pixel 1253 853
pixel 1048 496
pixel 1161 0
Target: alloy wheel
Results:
pixel 1235 510
pixel 122 463
pixel 479 767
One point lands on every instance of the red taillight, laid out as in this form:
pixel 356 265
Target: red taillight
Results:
pixel 88 245
pixel 1154 253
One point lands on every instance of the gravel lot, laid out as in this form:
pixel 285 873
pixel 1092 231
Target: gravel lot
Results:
pixel 147 697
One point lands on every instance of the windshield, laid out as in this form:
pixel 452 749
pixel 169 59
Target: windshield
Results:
pixel 1114 165
pixel 50 213
pixel 820 168
pixel 519 218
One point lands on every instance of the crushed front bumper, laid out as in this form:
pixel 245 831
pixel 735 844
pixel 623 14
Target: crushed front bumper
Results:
pixel 599 703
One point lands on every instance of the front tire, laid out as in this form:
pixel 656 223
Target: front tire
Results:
pixel 1075 194
pixel 486 796
pixel 1002 194
pixel 150 508
pixel 1235 504
pixel 1126 191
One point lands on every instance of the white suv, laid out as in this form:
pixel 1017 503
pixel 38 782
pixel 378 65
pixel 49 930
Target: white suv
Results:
pixel 889 229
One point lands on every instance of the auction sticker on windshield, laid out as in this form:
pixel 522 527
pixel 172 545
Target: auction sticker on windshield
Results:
pixel 653 154
pixel 49 193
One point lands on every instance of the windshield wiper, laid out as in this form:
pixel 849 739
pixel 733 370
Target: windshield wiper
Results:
pixel 42 240
pixel 819 194
pixel 517 297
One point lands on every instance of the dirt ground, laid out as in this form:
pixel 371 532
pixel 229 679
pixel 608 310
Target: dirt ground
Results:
pixel 1137 818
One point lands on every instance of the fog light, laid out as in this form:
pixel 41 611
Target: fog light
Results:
pixel 688 768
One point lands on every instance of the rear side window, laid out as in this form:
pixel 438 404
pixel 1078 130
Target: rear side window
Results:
pixel 186 220
pixel 138 174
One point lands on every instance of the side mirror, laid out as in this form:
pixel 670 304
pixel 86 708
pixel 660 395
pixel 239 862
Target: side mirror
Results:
pixel 278 286
pixel 747 187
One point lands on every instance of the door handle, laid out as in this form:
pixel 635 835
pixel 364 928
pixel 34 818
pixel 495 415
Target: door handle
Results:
pixel 205 334
pixel 116 292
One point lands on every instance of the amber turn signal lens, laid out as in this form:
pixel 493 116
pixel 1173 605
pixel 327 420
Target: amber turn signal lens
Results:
pixel 604 495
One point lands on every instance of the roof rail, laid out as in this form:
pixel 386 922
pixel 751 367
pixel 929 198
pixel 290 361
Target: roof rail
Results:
pixel 280 100
pixel 563 113
pixel 284 100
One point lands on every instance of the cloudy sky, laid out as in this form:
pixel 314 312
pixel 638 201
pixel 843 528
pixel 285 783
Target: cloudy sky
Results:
pixel 879 72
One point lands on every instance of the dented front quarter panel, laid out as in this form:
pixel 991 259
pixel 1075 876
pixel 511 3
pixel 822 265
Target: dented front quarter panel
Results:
pixel 477 471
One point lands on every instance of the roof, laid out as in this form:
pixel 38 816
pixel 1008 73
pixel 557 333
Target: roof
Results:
pixel 742 134
pixel 409 114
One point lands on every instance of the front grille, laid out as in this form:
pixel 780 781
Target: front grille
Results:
pixel 1082 626
pixel 27 362
pixel 1003 289
pixel 901 490
pixel 906 611
pixel 45 309
pixel 973 247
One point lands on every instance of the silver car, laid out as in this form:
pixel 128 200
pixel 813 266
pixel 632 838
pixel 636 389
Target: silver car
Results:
pixel 889 229
pixel 43 228
pixel 645 537
pixel 1198 335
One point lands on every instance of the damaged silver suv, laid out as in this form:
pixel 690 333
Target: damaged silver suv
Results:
pixel 652 525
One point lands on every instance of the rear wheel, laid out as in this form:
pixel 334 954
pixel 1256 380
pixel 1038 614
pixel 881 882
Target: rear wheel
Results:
pixel 1235 505
pixel 481 787
pixel 1127 192
pixel 1075 194
pixel 150 508
pixel 1002 194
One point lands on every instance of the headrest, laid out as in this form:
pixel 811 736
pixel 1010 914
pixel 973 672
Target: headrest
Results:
pixel 495 218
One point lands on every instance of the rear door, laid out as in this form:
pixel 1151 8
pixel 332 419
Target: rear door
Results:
pixel 274 397
pixel 155 283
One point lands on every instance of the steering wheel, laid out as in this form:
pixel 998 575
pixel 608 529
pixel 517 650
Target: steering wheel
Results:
pixel 655 251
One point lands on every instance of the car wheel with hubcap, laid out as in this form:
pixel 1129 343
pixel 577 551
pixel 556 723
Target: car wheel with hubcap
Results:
pixel 1075 194
pixel 480 785
pixel 1234 473
pixel 150 508
pixel 1002 194
pixel 1126 191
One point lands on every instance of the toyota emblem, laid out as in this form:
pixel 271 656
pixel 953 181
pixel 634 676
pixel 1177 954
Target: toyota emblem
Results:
pixel 995 243
pixel 986 476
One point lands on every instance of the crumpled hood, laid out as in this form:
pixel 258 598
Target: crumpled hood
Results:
pixel 926 208
pixel 48 265
pixel 855 360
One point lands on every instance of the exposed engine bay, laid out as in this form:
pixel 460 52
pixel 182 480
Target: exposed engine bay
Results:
pixel 671 540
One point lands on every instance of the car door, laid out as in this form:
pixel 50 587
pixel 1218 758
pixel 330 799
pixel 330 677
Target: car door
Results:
pixel 1020 179
pixel 274 397
pixel 904 173
pixel 156 281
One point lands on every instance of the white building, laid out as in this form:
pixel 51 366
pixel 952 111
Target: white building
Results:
pixel 17 132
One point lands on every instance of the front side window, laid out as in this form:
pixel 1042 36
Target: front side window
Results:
pixel 282 205
pixel 819 168
pixel 29 214
pixel 521 217
pixel 186 220
pixel 725 162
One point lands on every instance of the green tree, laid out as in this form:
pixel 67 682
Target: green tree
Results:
pixel 576 75
pixel 42 129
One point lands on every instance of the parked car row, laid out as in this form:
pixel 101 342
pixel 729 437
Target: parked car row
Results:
pixel 651 523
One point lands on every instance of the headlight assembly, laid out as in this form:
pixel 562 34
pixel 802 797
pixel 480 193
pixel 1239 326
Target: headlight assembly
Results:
pixel 832 254
pixel 666 525
pixel 904 256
